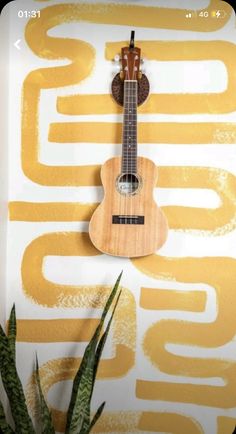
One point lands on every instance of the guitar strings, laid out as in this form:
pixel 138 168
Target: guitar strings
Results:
pixel 123 156
pixel 125 150
pixel 126 144
pixel 122 200
pixel 130 140
pixel 129 147
pixel 132 129
pixel 124 175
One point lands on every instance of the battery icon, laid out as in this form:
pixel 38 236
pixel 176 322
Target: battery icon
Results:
pixel 220 13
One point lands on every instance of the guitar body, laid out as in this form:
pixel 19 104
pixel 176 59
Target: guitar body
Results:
pixel 128 224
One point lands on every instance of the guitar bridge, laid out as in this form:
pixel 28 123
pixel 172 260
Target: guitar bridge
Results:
pixel 128 219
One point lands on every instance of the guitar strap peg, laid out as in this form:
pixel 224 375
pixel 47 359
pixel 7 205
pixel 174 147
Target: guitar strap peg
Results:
pixel 131 44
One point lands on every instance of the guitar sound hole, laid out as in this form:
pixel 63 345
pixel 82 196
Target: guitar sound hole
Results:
pixel 128 183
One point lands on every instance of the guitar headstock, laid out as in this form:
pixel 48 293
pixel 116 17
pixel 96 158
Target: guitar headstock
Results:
pixel 130 61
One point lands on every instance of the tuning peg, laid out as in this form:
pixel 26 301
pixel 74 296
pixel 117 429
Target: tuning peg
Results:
pixel 116 64
pixel 116 68
pixel 142 69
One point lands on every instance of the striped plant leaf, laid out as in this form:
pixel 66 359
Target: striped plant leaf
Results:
pixel 91 375
pixel 86 428
pixel 103 340
pixel 4 427
pixel 77 390
pixel 78 416
pixel 47 424
pixel 96 416
pixel 11 334
pixel 81 416
pixel 13 387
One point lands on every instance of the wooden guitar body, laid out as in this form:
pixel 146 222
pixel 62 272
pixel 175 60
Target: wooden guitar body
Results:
pixel 128 224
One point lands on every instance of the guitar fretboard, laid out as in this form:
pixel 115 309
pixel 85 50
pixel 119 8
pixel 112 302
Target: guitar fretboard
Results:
pixel 129 146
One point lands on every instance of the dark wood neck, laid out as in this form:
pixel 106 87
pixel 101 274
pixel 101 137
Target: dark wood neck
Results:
pixel 129 145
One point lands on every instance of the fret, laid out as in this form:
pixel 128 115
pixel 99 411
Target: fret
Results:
pixel 129 144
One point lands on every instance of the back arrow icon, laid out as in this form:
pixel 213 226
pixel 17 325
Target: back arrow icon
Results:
pixel 16 44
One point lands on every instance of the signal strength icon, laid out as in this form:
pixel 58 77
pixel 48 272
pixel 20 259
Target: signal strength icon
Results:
pixel 188 15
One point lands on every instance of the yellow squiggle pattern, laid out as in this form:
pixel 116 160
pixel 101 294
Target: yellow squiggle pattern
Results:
pixel 226 425
pixel 220 274
pixel 217 221
pixel 56 330
pixel 110 422
pixel 148 132
pixel 161 299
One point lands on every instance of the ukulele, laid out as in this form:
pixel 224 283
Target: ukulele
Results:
pixel 128 221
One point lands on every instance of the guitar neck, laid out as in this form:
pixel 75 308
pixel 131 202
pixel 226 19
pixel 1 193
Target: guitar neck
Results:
pixel 129 145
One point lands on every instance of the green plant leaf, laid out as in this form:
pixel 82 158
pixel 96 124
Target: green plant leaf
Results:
pixel 86 425
pixel 80 419
pixel 96 416
pixel 98 354
pixel 13 387
pixel 11 334
pixel 103 340
pixel 47 424
pixel 78 416
pixel 4 427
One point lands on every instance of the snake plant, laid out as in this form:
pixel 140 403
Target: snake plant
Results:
pixel 79 419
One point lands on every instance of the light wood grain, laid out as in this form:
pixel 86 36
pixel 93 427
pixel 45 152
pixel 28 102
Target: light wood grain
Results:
pixel 128 240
